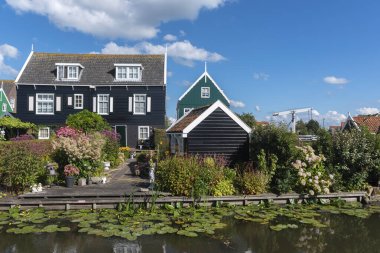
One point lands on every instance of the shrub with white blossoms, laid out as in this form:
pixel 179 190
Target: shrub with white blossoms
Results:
pixel 312 176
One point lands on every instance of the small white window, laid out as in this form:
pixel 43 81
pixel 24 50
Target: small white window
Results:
pixel 45 103
pixel 103 104
pixel 128 72
pixel 139 104
pixel 78 101
pixel 186 110
pixel 143 132
pixel 205 92
pixel 44 133
pixel 4 107
pixel 68 71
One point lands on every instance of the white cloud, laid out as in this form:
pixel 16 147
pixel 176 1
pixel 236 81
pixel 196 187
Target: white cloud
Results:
pixel 257 108
pixel 7 51
pixel 170 37
pixel 237 104
pixel 182 33
pixel 182 52
pixel 261 76
pixel 333 117
pixel 130 19
pixel 335 80
pixel 368 110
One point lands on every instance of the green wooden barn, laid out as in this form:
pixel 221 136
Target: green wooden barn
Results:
pixel 204 91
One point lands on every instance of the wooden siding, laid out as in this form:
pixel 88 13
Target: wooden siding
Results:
pixel 119 116
pixel 219 134
pixel 193 98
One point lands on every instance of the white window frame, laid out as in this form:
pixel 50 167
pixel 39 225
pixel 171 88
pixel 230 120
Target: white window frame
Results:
pixel 139 133
pixel 76 72
pixel 98 104
pixel 203 93
pixel 134 104
pixel 65 68
pixel 187 110
pixel 41 101
pixel 128 69
pixel 4 107
pixel 40 137
pixel 75 101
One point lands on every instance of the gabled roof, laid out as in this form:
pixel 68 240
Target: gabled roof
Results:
pixel 372 122
pixel 350 123
pixel 189 121
pixel 9 88
pixel 99 69
pixel 204 75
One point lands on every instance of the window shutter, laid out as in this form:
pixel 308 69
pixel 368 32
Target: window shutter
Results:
pixel 130 104
pixel 94 104
pixel 58 104
pixel 148 104
pixel 69 101
pixel 111 104
pixel 31 103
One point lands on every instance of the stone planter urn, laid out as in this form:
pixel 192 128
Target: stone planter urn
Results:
pixel 70 180
pixel 106 165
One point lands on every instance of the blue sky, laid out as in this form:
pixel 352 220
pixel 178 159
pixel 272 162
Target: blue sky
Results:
pixel 267 55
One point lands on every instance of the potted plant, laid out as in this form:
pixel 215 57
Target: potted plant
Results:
pixel 70 172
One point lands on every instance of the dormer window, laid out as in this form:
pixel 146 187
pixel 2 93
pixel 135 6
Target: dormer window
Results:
pixel 68 71
pixel 128 72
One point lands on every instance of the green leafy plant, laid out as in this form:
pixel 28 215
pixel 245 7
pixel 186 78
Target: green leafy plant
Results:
pixel 87 121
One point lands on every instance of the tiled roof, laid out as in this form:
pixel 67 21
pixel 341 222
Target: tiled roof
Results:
pixel 262 123
pixel 98 69
pixel 371 122
pixel 186 120
pixel 9 88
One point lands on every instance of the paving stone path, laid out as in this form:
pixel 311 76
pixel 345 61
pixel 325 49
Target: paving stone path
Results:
pixel 120 181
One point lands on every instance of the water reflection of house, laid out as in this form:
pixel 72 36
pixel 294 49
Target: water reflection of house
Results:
pixel 127 247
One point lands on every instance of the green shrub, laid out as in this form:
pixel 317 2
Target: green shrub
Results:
pixel 161 142
pixel 87 121
pixel 194 176
pixel 253 182
pixel 111 147
pixel 22 164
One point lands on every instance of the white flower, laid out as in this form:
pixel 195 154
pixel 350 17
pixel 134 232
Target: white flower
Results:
pixel 316 177
pixel 308 174
pixel 326 190
pixel 319 174
pixel 303 182
pixel 311 192
pixel 310 180
pixel 331 176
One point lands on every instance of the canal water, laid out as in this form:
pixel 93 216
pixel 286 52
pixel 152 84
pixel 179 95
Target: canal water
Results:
pixel 343 234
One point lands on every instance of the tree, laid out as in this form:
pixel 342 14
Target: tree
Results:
pixel 248 119
pixel 301 128
pixel 312 126
pixel 87 121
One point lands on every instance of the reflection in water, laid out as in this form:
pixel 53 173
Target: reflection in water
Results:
pixel 343 234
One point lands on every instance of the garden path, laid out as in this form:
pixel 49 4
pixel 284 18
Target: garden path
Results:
pixel 120 182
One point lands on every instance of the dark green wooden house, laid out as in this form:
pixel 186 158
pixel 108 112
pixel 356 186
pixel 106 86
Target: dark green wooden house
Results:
pixel 204 91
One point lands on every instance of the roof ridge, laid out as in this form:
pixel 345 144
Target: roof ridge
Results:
pixel 96 54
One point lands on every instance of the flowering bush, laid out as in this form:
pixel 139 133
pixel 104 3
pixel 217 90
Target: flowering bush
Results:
pixel 312 176
pixel 23 137
pixel 111 147
pixel 81 150
pixel 67 132
pixel 70 170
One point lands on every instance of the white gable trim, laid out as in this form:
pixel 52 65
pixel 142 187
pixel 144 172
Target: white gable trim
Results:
pixel 204 75
pixel 178 120
pixel 211 109
pixel 352 119
pixel 24 66
pixel 6 98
